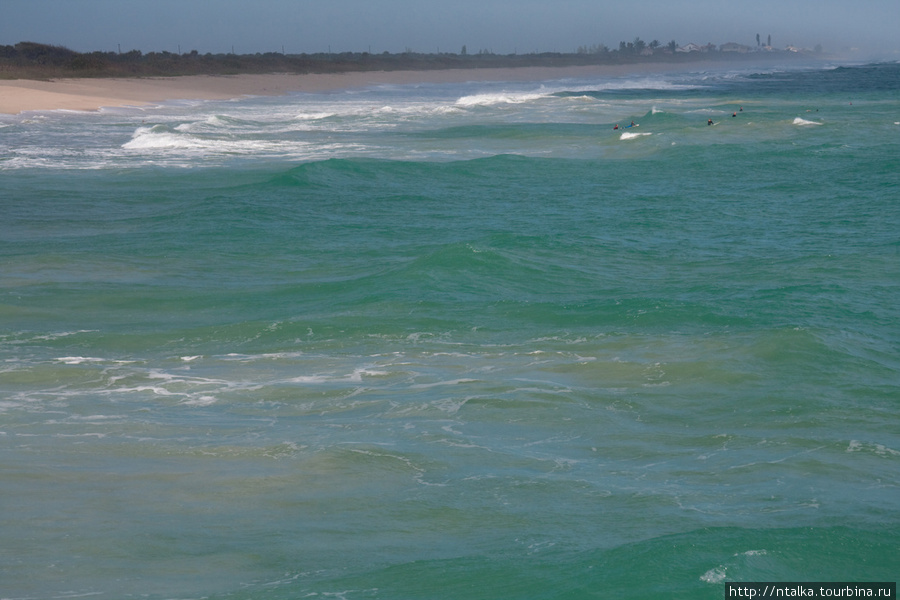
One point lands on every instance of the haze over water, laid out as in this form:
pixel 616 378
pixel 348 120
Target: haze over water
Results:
pixel 500 26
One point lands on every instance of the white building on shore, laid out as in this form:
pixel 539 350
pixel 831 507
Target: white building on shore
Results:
pixel 689 48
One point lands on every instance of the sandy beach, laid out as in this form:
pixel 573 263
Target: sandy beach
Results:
pixel 20 95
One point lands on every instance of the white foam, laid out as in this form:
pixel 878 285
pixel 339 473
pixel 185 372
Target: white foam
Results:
pixel 498 98
pixel 355 377
pixel 160 137
pixel 878 449
pixel 265 356
pixel 217 121
pixel 804 122
pixel 358 374
pixel 54 336
pixel 425 386
pixel 314 116
pixel 93 419
pixel 716 575
pixel 185 137
pixel 201 401
pixel 79 360
pixel 312 379
pixel 631 136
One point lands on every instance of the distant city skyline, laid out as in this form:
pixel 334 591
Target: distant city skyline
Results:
pixel 500 26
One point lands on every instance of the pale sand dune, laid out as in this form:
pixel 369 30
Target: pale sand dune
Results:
pixel 21 95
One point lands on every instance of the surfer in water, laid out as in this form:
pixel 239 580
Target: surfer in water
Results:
pixel 709 121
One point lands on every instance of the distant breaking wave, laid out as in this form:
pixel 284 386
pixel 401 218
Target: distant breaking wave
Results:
pixel 499 98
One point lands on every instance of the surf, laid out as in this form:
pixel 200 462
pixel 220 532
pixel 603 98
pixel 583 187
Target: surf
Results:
pixel 379 319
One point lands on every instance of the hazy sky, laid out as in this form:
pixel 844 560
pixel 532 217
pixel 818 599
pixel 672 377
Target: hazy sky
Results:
pixel 502 26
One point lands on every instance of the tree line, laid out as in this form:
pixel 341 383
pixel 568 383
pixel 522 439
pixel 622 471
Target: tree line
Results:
pixel 31 60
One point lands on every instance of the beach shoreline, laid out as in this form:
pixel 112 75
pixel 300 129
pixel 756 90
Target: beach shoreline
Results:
pixel 21 95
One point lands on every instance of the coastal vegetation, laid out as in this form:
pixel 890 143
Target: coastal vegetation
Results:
pixel 31 60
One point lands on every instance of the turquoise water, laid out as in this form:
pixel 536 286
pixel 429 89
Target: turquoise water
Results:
pixel 455 341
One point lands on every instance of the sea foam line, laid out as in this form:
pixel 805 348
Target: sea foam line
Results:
pixel 499 98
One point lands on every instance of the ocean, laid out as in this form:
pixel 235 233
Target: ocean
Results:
pixel 455 341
